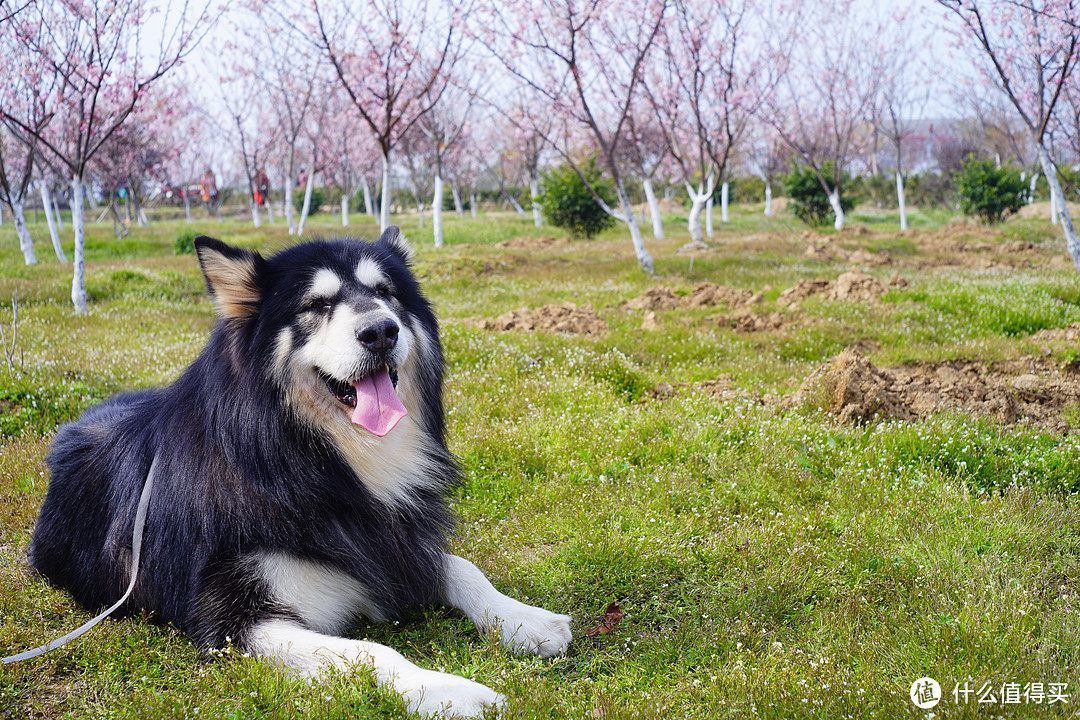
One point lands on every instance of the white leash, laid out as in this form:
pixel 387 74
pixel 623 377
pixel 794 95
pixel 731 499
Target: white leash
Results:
pixel 136 551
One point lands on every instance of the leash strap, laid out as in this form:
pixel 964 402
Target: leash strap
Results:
pixel 136 551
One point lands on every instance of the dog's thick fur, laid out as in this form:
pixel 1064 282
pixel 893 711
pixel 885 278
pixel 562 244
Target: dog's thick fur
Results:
pixel 276 520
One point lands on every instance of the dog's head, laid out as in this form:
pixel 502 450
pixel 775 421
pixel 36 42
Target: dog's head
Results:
pixel 338 326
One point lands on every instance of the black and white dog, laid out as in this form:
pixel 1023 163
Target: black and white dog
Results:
pixel 300 477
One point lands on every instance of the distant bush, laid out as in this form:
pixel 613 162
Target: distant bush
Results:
pixel 808 200
pixel 567 202
pixel 319 197
pixel 749 189
pixel 184 243
pixel 989 192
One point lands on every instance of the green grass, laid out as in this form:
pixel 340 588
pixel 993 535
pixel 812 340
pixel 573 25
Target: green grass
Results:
pixel 770 563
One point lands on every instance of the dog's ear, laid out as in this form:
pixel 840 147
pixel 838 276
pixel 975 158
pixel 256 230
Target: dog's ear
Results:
pixel 232 275
pixel 395 242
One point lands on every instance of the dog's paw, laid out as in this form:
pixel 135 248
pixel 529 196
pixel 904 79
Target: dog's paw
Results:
pixel 432 694
pixel 531 630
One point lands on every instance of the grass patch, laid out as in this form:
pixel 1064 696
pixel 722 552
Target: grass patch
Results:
pixel 770 562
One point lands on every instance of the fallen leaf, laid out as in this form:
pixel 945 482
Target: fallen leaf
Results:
pixel 612 616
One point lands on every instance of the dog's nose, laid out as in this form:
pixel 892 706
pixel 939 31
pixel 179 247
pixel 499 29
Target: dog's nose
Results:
pixel 380 336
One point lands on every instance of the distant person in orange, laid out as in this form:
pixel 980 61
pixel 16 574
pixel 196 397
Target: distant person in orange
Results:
pixel 262 187
pixel 208 186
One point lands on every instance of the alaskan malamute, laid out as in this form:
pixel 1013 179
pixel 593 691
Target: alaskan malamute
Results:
pixel 300 477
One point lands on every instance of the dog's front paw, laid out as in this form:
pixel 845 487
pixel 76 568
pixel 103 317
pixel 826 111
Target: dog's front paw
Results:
pixel 532 630
pixel 441 695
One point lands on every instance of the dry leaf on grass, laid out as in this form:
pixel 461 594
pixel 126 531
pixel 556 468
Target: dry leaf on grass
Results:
pixel 612 616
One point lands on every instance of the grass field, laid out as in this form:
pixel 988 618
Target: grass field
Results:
pixel 770 561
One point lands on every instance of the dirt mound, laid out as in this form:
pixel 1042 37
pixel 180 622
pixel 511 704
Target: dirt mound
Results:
pixel 534 243
pixel 826 252
pixel 855 285
pixel 1069 332
pixel 749 322
pixel 703 295
pixel 852 285
pixel 566 318
pixel 855 390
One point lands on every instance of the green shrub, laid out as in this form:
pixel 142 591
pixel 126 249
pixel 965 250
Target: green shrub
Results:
pixel 988 192
pixel 567 202
pixel 808 200
pixel 184 243
pixel 319 198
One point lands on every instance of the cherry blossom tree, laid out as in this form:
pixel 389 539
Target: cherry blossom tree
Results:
pixel 585 60
pixel 395 60
pixel 822 103
pixel 445 125
pixel 96 63
pixel 1028 51
pixel 703 92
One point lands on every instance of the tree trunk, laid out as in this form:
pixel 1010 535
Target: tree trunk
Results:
pixel 643 256
pixel 384 211
pixel 256 218
pixel 900 200
pixel 307 202
pixel 768 198
pixel 26 243
pixel 458 207
pixel 698 199
pixel 1072 243
pixel 1031 191
pixel 472 204
pixel 78 280
pixel 368 208
pixel 724 194
pixel 834 202
pixel 709 216
pixel 517 205
pixel 46 206
pixel 187 207
pixel 436 211
pixel 534 192
pixel 57 215
pixel 344 209
pixel 288 205
pixel 269 206
pixel 654 209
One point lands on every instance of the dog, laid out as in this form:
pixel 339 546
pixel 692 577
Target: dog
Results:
pixel 301 475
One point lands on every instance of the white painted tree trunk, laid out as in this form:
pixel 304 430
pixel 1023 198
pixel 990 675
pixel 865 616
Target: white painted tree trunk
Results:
pixel 287 207
pixel 78 280
pixel 900 200
pixel 698 198
pixel 140 214
pixel 458 207
pixel 384 210
pixel 1031 190
pixel 46 206
pixel 725 216
pixel 517 205
pixel 472 204
pixel 654 209
pixel 187 208
pixel 256 217
pixel 643 256
pixel 269 207
pixel 344 209
pixel 1072 243
pixel 307 202
pixel 56 213
pixel 534 191
pixel 768 199
pixel 436 210
pixel 834 202
pixel 709 216
pixel 26 243
pixel 368 207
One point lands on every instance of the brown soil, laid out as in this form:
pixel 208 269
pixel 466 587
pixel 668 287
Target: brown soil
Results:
pixel 855 390
pixel 534 243
pixel 704 295
pixel 566 318
pixel 750 322
pixel 852 285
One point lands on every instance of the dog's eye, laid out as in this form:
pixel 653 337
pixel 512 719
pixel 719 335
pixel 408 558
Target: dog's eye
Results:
pixel 382 290
pixel 318 304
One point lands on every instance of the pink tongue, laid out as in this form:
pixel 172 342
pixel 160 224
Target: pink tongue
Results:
pixel 378 409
